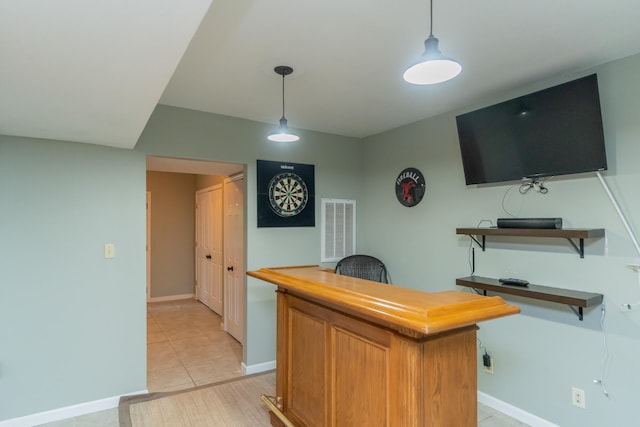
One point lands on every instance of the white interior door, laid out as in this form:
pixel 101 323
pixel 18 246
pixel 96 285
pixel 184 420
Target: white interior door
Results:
pixel 234 281
pixel 209 249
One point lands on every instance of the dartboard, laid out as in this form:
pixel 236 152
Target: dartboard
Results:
pixel 288 194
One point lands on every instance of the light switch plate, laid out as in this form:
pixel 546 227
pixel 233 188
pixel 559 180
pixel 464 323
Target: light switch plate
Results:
pixel 109 250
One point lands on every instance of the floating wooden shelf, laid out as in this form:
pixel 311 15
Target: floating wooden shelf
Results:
pixel 567 233
pixel 572 298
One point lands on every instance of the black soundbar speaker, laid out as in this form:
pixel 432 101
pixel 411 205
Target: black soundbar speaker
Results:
pixel 529 222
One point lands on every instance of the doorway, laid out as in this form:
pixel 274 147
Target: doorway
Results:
pixel 206 183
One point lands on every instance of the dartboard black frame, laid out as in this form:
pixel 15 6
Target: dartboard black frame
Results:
pixel 286 194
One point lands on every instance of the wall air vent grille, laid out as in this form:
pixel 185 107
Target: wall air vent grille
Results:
pixel 338 229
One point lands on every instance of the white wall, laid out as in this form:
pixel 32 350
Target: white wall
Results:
pixel 539 354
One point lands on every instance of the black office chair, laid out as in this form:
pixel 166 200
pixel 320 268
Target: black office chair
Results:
pixel 363 267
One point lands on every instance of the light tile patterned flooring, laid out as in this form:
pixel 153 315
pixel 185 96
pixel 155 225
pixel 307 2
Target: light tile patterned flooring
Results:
pixel 187 347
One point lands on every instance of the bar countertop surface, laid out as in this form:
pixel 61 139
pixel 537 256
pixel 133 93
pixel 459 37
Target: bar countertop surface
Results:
pixel 391 305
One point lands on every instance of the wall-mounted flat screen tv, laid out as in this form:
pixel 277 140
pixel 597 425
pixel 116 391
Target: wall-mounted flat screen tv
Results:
pixel 555 131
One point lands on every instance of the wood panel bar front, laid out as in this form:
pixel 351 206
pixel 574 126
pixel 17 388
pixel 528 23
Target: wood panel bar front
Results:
pixel 351 352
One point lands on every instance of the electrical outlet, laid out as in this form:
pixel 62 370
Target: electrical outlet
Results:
pixel 628 307
pixel 577 397
pixel 489 369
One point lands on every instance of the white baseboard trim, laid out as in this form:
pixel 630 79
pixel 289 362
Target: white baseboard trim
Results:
pixel 66 412
pixel 257 368
pixel 172 298
pixel 513 411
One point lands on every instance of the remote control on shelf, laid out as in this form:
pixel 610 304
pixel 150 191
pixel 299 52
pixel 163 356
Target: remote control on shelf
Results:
pixel 514 282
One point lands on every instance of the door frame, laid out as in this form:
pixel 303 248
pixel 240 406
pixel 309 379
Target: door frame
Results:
pixel 206 167
pixel 148 246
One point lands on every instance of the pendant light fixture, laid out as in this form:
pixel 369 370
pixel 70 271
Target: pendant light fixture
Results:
pixel 432 67
pixel 283 134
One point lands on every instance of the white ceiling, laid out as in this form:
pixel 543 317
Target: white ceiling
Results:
pixel 90 71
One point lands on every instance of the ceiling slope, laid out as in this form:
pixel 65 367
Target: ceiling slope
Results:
pixel 89 71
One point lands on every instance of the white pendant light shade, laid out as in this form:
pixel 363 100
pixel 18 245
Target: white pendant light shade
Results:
pixel 283 134
pixel 433 67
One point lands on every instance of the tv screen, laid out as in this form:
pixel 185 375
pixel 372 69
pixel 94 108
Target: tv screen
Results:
pixel 555 131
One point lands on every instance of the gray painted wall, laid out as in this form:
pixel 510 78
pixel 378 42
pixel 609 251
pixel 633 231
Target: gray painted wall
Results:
pixel 539 354
pixel 66 314
pixel 72 324
pixel 175 132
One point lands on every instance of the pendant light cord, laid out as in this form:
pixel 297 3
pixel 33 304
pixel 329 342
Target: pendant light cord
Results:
pixel 431 19
pixel 283 95
pixel 283 134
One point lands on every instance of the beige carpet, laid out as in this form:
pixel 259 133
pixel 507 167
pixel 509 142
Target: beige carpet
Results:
pixel 233 403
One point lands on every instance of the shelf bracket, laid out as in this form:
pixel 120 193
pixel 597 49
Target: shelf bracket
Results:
pixel 577 312
pixel 482 245
pixel 579 249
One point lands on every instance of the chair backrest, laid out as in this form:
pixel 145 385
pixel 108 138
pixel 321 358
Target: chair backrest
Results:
pixel 363 267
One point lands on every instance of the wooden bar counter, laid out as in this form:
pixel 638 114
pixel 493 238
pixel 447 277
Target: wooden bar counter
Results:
pixel 352 352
